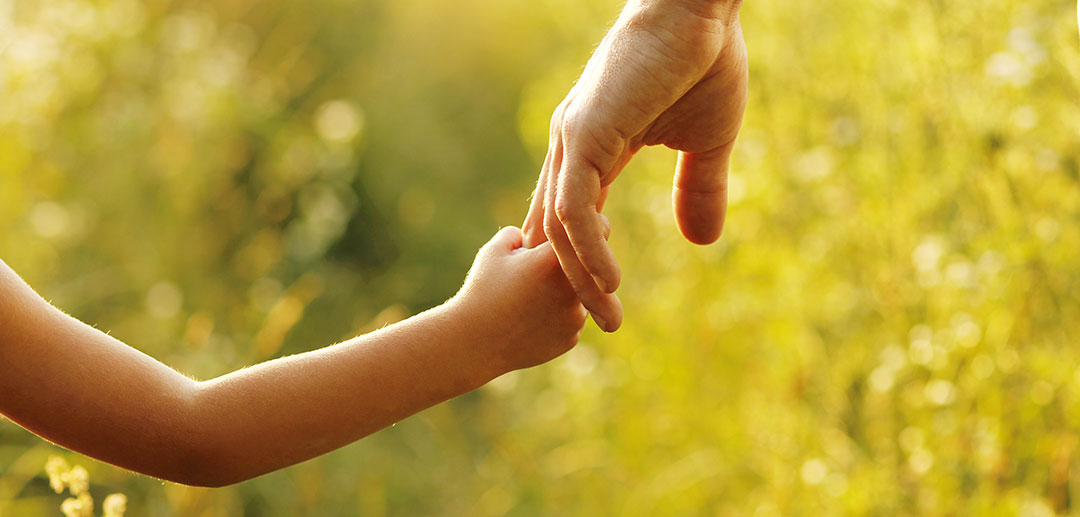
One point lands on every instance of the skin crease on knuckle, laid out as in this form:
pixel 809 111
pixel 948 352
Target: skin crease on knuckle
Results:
pixel 566 213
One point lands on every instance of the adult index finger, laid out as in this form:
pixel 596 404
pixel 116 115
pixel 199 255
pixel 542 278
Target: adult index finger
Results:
pixel 578 192
pixel 605 308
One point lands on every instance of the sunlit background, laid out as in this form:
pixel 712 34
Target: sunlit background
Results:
pixel 889 325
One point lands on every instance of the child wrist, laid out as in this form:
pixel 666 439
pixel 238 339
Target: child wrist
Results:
pixel 478 341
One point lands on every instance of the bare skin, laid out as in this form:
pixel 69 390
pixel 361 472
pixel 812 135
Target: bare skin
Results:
pixel 670 72
pixel 89 392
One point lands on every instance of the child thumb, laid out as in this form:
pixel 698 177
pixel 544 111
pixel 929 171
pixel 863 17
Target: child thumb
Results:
pixel 507 239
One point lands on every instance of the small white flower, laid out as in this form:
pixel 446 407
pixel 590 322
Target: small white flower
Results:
pixel 57 468
pixel 78 480
pixel 82 506
pixel 115 505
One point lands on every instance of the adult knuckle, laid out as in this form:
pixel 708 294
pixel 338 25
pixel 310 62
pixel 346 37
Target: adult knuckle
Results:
pixel 560 110
pixel 558 117
pixel 566 211
pixel 599 141
pixel 552 227
pixel 555 127
pixel 574 122
pixel 585 126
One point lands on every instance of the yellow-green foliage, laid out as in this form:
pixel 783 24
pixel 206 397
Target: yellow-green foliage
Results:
pixel 889 325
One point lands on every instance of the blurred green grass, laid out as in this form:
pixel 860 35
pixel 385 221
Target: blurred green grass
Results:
pixel 887 327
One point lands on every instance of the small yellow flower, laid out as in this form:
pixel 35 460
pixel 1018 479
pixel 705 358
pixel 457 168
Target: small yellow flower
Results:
pixel 115 505
pixel 82 506
pixel 57 469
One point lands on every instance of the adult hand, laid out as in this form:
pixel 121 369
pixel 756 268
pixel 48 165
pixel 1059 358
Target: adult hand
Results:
pixel 670 72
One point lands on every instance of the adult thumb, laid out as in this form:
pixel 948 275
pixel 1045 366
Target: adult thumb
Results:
pixel 699 194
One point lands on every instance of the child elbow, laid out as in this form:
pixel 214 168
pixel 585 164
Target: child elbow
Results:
pixel 204 461
pixel 205 467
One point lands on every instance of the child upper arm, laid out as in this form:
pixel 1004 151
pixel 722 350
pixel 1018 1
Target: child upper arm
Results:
pixel 81 388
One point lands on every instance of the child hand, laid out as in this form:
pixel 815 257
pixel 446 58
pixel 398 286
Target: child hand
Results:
pixel 521 303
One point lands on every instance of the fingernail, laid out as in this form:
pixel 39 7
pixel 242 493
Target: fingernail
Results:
pixel 599 321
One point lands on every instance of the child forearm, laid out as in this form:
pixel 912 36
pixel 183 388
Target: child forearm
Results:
pixel 291 409
pixel 89 392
